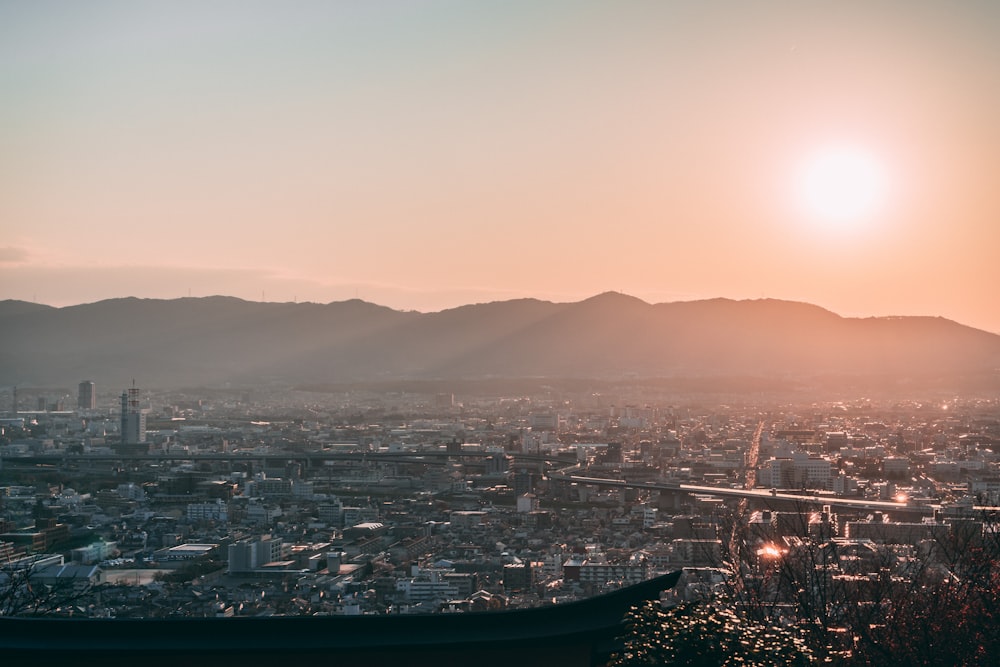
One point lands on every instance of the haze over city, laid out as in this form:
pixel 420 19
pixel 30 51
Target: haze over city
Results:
pixel 423 155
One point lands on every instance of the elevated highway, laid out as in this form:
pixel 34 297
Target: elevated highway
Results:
pixel 761 497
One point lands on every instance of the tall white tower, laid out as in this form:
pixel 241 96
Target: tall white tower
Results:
pixel 133 428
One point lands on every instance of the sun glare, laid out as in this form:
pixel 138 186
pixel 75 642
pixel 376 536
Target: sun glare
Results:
pixel 841 185
pixel 770 551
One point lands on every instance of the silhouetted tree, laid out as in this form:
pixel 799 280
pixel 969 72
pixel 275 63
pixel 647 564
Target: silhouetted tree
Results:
pixel 874 603
pixel 25 591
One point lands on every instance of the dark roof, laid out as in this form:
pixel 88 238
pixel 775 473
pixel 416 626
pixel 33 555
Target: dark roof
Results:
pixel 573 633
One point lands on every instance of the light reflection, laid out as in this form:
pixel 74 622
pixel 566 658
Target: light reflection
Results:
pixel 770 551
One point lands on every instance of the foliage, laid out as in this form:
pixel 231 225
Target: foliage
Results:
pixel 878 602
pixel 950 618
pixel 708 633
pixel 859 603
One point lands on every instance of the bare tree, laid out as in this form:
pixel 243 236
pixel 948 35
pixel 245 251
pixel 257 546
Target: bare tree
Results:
pixel 874 601
pixel 28 587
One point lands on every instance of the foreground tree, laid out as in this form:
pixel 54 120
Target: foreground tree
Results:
pixel 881 601
pixel 26 591
pixel 708 633
pixel 947 615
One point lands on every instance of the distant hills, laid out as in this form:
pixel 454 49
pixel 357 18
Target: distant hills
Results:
pixel 216 340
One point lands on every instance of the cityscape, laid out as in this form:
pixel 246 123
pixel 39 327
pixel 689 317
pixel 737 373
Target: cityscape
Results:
pixel 544 333
pixel 259 502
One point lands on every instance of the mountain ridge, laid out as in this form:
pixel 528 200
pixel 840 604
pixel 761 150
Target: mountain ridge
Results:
pixel 218 339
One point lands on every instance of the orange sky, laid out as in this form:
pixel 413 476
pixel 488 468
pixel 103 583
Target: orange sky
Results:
pixel 428 154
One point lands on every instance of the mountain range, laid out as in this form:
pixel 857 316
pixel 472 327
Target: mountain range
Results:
pixel 218 340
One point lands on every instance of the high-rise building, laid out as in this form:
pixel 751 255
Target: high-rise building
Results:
pixel 133 424
pixel 87 397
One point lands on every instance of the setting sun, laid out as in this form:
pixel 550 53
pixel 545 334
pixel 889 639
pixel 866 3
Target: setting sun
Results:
pixel 452 147
pixel 841 185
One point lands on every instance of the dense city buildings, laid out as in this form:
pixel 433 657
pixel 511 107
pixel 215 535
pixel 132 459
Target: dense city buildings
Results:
pixel 242 503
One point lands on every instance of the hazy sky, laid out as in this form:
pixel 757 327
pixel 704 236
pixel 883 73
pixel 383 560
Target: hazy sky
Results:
pixel 428 154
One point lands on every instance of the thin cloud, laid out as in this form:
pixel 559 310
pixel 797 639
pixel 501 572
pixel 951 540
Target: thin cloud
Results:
pixel 12 255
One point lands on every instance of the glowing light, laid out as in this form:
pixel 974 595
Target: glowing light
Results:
pixel 901 498
pixel 840 185
pixel 770 551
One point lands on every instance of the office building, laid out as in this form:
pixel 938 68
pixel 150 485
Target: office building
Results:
pixel 87 396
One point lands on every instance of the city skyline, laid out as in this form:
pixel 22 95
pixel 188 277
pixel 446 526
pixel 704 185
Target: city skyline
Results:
pixel 433 154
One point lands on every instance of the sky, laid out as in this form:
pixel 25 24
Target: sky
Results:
pixel 424 154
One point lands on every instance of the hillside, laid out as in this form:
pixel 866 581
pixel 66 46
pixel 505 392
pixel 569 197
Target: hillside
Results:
pixel 218 340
